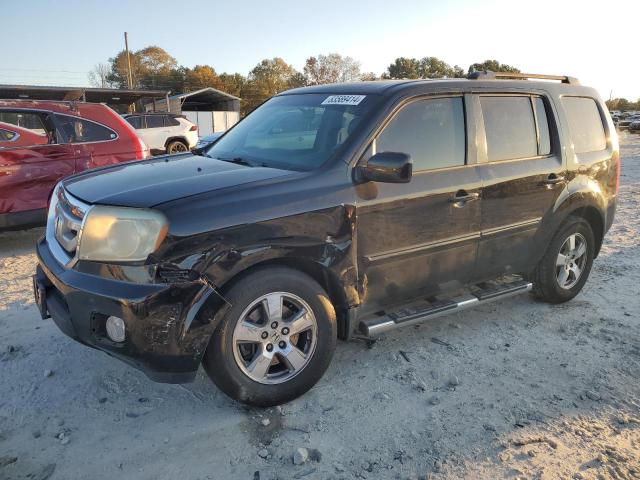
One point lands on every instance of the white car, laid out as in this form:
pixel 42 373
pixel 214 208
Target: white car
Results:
pixel 164 132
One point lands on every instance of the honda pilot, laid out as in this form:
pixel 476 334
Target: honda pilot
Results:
pixel 328 212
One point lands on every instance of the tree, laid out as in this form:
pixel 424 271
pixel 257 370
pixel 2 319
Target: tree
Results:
pixel 99 76
pixel 433 67
pixel 201 76
pixel 233 83
pixel 404 68
pixel 331 68
pixel 426 67
pixel 622 104
pixel 493 66
pixel 269 77
pixel 369 77
pixel 152 67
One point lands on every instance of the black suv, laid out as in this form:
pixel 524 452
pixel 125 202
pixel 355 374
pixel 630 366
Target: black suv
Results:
pixel 330 211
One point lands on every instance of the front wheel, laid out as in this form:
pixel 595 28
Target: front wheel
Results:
pixel 275 341
pixel 566 265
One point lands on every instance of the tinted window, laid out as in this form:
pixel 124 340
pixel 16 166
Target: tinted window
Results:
pixel 544 139
pixel 510 127
pixel 75 130
pixel 171 121
pixel 6 135
pixel 154 121
pixel 585 124
pixel 136 122
pixel 431 131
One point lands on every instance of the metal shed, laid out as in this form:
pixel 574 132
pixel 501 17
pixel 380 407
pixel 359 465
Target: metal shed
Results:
pixel 211 109
pixel 110 96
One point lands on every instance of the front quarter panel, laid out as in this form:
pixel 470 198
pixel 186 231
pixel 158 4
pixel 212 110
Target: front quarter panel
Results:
pixel 306 221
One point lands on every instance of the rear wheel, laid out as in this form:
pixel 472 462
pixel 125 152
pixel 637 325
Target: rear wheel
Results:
pixel 566 265
pixel 177 146
pixel 276 341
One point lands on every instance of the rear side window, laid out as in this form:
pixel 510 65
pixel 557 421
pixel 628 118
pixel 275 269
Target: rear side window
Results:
pixel 510 128
pixel 171 121
pixel 585 124
pixel 75 130
pixel 154 121
pixel 431 131
pixel 136 122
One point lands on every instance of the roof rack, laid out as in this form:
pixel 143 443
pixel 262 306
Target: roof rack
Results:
pixel 489 75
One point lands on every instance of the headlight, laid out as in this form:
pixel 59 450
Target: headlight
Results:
pixel 121 234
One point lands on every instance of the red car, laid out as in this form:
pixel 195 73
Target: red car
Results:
pixel 44 141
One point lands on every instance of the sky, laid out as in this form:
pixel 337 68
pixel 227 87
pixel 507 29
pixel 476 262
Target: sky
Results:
pixel 57 43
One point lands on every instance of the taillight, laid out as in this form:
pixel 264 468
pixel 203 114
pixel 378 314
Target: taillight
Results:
pixel 145 152
pixel 194 128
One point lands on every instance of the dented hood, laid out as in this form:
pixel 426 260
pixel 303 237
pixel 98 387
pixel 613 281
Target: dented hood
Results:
pixel 163 179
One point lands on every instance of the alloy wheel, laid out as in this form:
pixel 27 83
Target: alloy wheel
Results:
pixel 275 338
pixel 571 260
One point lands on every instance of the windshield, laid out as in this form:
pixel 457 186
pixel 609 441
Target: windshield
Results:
pixel 294 132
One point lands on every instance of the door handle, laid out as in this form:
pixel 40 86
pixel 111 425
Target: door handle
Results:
pixel 462 197
pixel 553 179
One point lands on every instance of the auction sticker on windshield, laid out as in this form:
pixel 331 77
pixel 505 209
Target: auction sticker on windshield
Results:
pixel 343 100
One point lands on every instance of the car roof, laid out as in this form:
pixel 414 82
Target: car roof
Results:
pixel 137 114
pixel 391 87
pixel 57 106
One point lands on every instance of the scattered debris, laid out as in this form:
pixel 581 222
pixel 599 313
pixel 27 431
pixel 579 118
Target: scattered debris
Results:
pixel 300 456
pixel 440 342
pixel 7 460
pixel 263 453
pixel 48 373
pixel 595 396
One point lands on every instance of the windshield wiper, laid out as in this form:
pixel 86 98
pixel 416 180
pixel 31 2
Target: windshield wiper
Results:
pixel 242 161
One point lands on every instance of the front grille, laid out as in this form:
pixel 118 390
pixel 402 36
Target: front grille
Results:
pixel 64 223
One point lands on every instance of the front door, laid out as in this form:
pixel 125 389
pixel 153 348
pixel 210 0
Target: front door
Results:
pixel 420 238
pixel 522 175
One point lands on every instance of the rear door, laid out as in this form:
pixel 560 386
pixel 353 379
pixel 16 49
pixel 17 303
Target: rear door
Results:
pixel 155 131
pixel 28 173
pixel 522 172
pixel 421 238
pixel 91 142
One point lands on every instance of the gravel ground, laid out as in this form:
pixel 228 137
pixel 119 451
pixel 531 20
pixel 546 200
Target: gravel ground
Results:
pixel 516 389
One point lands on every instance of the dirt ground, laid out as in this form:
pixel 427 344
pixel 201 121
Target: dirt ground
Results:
pixel 516 389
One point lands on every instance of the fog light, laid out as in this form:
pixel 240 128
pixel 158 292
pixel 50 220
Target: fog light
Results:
pixel 115 329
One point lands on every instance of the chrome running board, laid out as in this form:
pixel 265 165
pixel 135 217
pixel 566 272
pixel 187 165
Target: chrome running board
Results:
pixel 426 310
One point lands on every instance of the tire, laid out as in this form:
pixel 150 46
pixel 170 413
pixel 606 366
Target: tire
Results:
pixel 548 275
pixel 235 365
pixel 177 146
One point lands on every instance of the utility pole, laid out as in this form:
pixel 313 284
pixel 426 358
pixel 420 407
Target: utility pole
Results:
pixel 126 48
pixel 129 76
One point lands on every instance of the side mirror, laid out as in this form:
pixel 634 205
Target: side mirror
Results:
pixel 387 167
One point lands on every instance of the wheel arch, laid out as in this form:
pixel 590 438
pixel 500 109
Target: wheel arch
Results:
pixel 585 201
pixel 174 138
pixel 595 219
pixel 324 276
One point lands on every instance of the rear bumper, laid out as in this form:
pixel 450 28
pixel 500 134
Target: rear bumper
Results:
pixel 166 335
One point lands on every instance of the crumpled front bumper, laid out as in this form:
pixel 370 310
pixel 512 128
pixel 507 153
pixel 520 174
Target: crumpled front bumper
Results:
pixel 167 328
